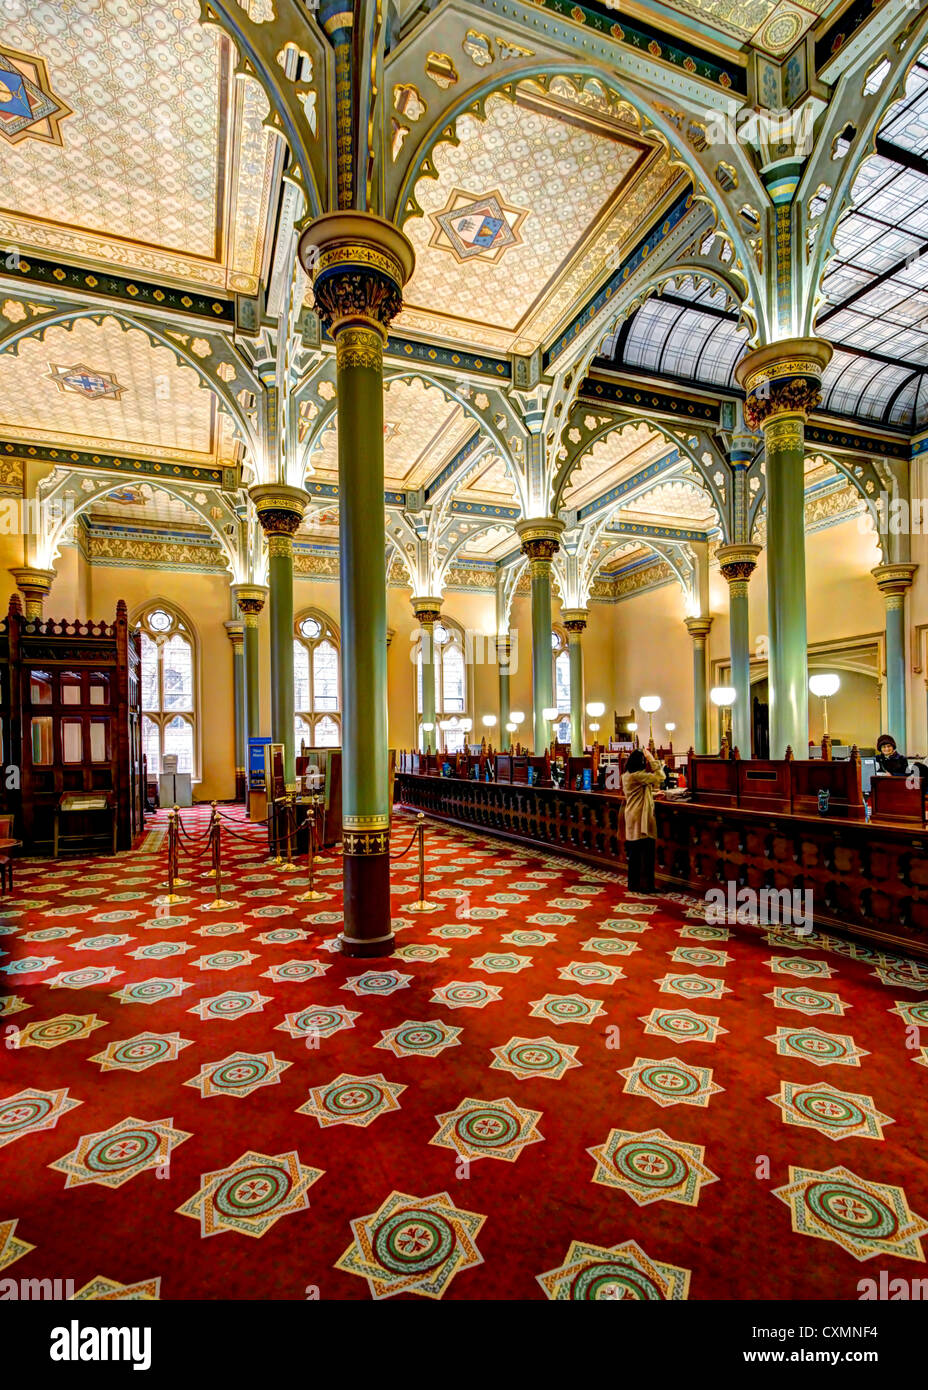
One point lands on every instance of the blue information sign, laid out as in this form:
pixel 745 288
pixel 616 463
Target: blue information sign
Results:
pixel 256 747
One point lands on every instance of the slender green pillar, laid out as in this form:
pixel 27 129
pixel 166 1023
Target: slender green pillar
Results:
pixel 359 264
pixel 427 611
pixel 737 563
pixel 698 629
pixel 250 599
pixel 781 384
pixel 540 541
pixel 893 582
pixel 575 622
pixel 280 511
pixel 503 654
pixel 236 631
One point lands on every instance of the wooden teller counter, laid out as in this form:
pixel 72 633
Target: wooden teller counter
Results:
pixel 786 824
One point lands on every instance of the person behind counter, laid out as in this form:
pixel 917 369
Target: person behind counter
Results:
pixel 642 774
pixel 888 759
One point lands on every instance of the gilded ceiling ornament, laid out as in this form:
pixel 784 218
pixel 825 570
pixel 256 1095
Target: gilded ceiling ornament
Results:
pixel 84 381
pixel 439 67
pixel 29 109
pixel 473 225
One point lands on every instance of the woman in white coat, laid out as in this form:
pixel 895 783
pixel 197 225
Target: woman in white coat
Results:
pixel 642 774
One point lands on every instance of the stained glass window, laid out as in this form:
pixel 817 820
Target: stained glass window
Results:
pixel 316 681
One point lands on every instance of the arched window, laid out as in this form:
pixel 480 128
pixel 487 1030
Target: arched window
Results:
pixel 561 658
pixel 451 687
pixel 316 681
pixel 169 711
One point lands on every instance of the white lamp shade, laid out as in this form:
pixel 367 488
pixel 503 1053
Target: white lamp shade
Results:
pixel 467 725
pixel 427 728
pixel 550 713
pixel 650 703
pixel 595 709
pixel 489 720
pixel 517 716
pixel 670 728
pixel 594 728
pixel 825 683
pixel 723 695
pixel 632 727
pixel 511 728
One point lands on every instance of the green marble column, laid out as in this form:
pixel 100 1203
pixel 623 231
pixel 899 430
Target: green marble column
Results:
pixel 280 511
pixel 698 629
pixel 540 541
pixel 359 265
pixel 575 622
pixel 427 611
pixel 893 582
pixel 503 653
pixel 250 599
pixel 781 385
pixel 737 563
pixel 236 632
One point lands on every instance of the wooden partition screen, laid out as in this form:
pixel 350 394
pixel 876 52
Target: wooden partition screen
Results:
pixel 71 716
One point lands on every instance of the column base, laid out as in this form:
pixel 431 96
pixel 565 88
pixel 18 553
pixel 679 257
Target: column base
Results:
pixel 367 905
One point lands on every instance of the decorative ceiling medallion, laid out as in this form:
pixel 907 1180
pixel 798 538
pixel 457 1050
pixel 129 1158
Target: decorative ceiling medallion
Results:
pixel 390 430
pixel 28 106
pixel 473 225
pixel 84 381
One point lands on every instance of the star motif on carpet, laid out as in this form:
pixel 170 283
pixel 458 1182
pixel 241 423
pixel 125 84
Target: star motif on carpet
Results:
pixel 101 943
pixel 11 1247
pixel 283 936
pixel 231 1005
pixel 251 1194
pixel 625 925
pixel 30 1111
pixel 50 934
pixel 413 1245
pixel 699 956
pixel 377 982
pixel 566 1008
pixel 693 986
pixel 800 965
pixel 790 939
pixel 103 1290
pixel 220 929
pixel 84 978
pixel 906 974
pixel 498 963
pixel 141 1052
pixel 224 960
pixel 296 971
pixel 915 1015
pixel 609 946
pixel 668 1081
pixel 583 972
pixel 352 1100
pixel 682 1025
pixel 836 1114
pixel 601 1272
pixel 528 938
pixel 411 951
pixel 864 1218
pixel 651 1167
pixel 152 991
pixel 238 1074
pixel 455 929
pixel 487 1129
pixel 819 1048
pixel 808 1001
pixel 526 1058
pixel 416 1038
pixel 114 1156
pixel 546 919
pixel 52 1032
pixel 705 933
pixel 159 950
pixel 30 965
pixel 320 1020
pixel 464 994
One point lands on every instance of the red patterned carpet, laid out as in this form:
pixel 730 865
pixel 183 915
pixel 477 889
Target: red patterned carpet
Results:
pixel 553 1088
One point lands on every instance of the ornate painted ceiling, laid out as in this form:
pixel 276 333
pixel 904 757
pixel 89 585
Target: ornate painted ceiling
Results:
pixel 160 166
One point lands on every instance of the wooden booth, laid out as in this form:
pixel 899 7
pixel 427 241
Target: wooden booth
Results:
pixel 71 721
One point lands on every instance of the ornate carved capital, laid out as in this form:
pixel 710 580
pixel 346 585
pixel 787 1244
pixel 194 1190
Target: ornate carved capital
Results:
pixel 783 378
pixel 575 620
pixel 426 610
pixel 698 628
pixel 359 347
pixel 737 562
pixel 540 537
pixel 235 632
pixel 34 585
pixel 894 580
pixel 280 508
pixel 359 264
pixel 250 598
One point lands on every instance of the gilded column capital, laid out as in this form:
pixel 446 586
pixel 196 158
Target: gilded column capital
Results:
pixel 575 620
pixel 540 537
pixel 783 379
pixel 235 631
pixel 359 264
pixel 427 609
pixel 738 562
pixel 34 585
pixel 698 628
pixel 280 508
pixel 893 580
pixel 250 598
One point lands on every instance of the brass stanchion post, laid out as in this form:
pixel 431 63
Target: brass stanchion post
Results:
pixel 213 818
pixel 423 904
pixel 218 902
pixel 290 813
pixel 178 882
pixel 312 895
pixel 170 896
